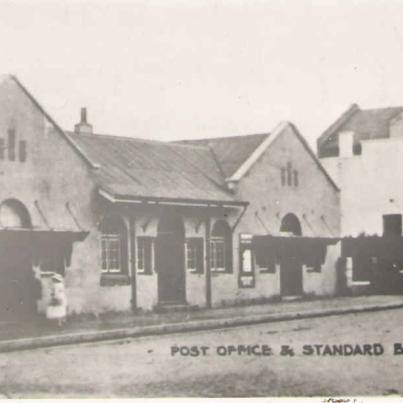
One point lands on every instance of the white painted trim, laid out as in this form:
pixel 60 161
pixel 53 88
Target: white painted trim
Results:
pixel 256 154
pixel 113 199
pixel 107 195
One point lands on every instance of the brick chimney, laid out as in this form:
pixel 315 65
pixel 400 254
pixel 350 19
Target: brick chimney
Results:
pixel 83 127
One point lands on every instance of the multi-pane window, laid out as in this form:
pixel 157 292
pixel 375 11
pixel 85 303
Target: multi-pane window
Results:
pixel 191 257
pixel 217 254
pixel 114 246
pixel 10 146
pixel 145 247
pixel 194 254
pixel 289 176
pixel 221 247
pixel 111 253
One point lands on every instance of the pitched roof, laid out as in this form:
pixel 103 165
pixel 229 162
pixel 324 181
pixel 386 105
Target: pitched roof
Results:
pixel 365 123
pixel 35 102
pixel 230 152
pixel 154 169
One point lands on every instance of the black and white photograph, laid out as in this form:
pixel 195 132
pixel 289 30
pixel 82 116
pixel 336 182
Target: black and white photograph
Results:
pixel 201 199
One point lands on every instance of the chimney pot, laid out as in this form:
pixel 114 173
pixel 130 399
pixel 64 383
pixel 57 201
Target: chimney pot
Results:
pixel 83 115
pixel 346 144
pixel 83 127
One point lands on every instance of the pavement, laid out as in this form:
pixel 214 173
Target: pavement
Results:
pixel 15 336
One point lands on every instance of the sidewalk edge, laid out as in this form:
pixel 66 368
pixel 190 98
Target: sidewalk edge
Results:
pixel 169 328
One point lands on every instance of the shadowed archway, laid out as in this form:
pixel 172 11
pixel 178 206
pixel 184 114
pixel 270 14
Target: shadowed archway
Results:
pixel 291 225
pixel 170 259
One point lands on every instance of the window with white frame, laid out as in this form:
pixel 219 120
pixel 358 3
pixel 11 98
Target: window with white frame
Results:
pixel 113 246
pixel 221 248
pixel 145 255
pixel 194 255
pixel 111 253
pixel 217 253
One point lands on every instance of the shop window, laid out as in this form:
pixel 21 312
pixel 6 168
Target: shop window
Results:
pixel 194 255
pixel 11 145
pixel 145 253
pixel 114 246
pixel 221 248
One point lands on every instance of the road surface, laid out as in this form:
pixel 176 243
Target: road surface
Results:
pixel 244 361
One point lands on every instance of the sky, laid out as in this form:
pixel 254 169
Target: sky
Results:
pixel 171 69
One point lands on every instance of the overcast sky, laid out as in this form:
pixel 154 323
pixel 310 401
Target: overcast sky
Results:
pixel 190 69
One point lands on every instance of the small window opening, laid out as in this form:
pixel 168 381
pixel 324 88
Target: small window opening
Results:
pixel 11 145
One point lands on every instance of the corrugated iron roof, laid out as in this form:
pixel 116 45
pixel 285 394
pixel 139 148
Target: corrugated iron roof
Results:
pixel 144 168
pixel 230 152
pixel 365 123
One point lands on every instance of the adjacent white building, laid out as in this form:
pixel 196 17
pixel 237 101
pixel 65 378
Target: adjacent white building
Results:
pixel 363 153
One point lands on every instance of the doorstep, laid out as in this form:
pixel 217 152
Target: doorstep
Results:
pixel 173 307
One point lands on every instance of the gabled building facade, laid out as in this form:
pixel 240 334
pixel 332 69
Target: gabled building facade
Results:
pixel 139 224
pixel 363 151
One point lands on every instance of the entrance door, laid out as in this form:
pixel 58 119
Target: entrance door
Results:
pixel 170 261
pixel 18 287
pixel 290 277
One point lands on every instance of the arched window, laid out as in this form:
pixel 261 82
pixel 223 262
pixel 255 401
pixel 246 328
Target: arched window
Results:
pixel 221 247
pixel 291 225
pixel 13 214
pixel 114 245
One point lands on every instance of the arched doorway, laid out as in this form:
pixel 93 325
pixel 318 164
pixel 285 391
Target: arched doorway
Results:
pixel 19 290
pixel 13 214
pixel 170 259
pixel 291 225
pixel 291 278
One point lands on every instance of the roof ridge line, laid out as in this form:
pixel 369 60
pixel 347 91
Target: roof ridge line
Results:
pixel 223 137
pixel 134 139
pixel 347 114
pixel 382 108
